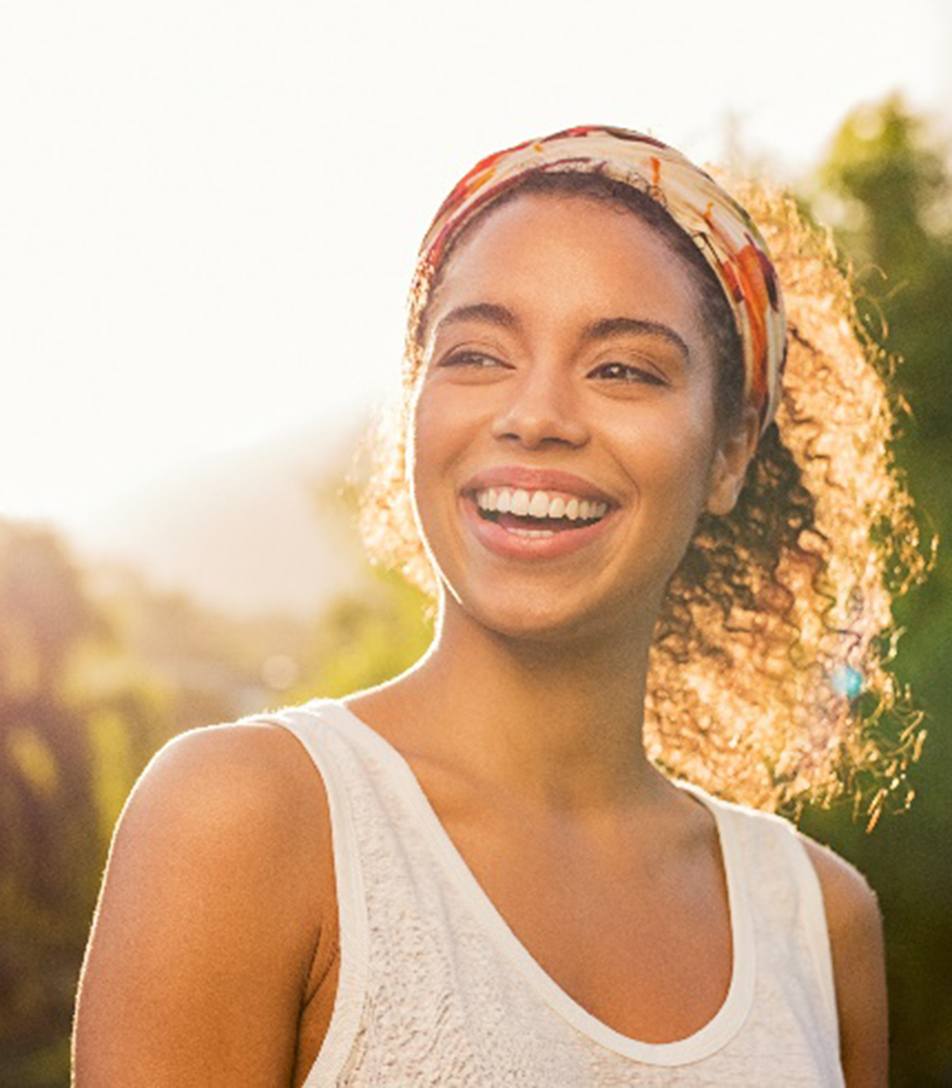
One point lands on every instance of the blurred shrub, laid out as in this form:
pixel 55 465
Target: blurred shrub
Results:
pixel 886 188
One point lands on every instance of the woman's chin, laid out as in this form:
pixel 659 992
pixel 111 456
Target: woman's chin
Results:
pixel 533 618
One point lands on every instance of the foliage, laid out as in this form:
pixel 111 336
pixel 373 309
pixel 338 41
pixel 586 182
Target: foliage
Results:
pixel 97 671
pixel 886 187
pixel 364 640
pixel 50 855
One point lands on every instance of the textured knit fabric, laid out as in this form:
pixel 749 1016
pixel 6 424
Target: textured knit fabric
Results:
pixel 436 989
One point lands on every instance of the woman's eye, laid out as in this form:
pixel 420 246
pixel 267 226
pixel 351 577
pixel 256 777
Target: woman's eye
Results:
pixel 469 358
pixel 627 373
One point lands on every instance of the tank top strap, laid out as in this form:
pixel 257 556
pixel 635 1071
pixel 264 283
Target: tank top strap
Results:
pixel 788 896
pixel 813 919
pixel 334 762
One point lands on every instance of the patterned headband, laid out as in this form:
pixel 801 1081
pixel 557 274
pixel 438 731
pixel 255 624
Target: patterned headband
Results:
pixel 720 228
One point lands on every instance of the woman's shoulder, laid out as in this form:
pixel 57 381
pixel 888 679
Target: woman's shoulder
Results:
pixel 213 761
pixel 236 800
pixel 246 778
pixel 215 886
pixel 855 926
pixel 848 898
pixel 847 894
pixel 849 907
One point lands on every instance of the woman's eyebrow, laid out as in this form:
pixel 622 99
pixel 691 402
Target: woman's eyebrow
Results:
pixel 615 326
pixel 494 314
pixel 479 311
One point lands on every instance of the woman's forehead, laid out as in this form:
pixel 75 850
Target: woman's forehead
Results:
pixel 576 220
pixel 547 252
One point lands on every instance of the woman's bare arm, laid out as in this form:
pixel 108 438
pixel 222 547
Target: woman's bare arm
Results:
pixel 856 940
pixel 208 918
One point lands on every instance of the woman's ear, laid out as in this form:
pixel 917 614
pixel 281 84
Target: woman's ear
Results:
pixel 729 466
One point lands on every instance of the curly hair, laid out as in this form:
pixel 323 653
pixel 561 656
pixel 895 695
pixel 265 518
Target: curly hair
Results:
pixel 767 680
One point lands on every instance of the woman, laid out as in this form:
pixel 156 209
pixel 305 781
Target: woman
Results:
pixel 514 863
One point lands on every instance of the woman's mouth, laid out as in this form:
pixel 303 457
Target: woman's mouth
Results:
pixel 542 525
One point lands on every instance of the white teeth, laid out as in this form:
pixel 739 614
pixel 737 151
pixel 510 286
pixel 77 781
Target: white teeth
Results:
pixel 538 504
pixel 531 532
pixel 520 502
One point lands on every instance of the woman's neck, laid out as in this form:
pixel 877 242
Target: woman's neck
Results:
pixel 556 724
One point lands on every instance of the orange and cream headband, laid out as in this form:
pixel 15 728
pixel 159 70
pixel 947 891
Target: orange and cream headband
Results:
pixel 720 228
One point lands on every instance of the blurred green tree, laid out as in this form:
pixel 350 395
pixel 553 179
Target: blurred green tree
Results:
pixel 365 639
pixel 97 671
pixel 886 189
pixel 50 845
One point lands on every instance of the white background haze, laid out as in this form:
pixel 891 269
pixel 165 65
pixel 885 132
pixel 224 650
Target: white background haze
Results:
pixel 209 211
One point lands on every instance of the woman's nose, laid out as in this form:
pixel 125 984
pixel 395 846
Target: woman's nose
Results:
pixel 539 409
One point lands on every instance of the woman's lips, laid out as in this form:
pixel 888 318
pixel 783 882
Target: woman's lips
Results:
pixel 500 541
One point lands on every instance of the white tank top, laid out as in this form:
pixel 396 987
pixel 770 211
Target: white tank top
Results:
pixel 435 988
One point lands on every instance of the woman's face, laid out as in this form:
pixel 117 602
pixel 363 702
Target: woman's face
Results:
pixel 563 338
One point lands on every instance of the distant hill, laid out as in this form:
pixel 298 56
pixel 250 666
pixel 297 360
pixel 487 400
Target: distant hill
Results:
pixel 250 531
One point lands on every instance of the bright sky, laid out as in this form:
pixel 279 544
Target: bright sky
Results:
pixel 209 210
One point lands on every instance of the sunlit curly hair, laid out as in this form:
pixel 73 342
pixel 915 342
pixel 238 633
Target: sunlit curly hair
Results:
pixel 767 681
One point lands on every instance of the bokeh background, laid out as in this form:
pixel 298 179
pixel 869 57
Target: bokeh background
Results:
pixel 208 219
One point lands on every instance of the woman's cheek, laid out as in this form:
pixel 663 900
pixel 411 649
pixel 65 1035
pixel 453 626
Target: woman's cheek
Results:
pixel 428 438
pixel 435 449
pixel 668 467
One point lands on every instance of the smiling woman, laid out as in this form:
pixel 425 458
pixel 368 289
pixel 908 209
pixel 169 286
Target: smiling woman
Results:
pixel 549 853
pixel 554 388
pixel 779 611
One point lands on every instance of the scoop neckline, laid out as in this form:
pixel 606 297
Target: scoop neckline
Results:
pixel 707 1039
